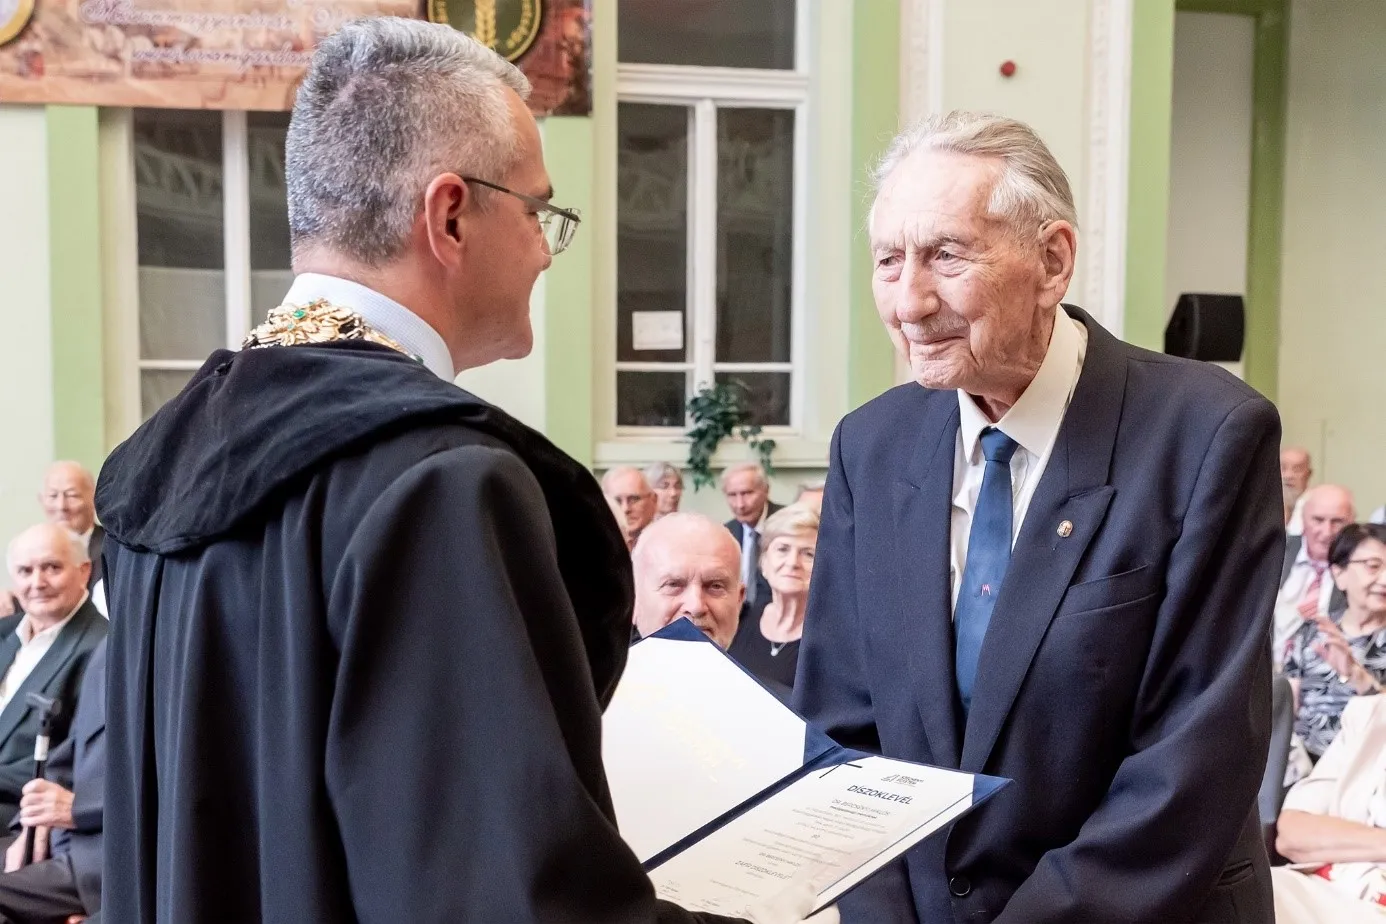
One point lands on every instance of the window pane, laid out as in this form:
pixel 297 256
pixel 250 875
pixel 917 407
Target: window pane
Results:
pixel 270 275
pixel 755 234
pixel 652 232
pixel 713 33
pixel 157 386
pixel 650 399
pixel 178 199
pixel 766 395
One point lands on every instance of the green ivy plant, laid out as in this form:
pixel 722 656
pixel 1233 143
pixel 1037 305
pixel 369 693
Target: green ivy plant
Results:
pixel 719 411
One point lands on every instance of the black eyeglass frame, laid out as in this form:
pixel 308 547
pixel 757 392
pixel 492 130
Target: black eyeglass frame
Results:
pixel 572 215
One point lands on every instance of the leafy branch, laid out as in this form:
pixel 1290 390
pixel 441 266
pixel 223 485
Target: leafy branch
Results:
pixel 719 411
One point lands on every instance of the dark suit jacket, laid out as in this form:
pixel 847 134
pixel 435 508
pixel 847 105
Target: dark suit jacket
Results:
pixel 82 759
pixel 1337 602
pixel 762 591
pixel 1123 683
pixel 58 674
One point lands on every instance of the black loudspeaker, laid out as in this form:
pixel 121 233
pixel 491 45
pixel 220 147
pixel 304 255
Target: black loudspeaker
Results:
pixel 1207 327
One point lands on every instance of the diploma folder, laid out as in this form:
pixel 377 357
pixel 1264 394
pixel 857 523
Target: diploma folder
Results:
pixel 726 795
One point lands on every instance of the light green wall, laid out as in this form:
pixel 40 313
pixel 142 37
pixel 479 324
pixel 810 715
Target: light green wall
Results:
pixel 26 355
pixel 875 118
pixel 75 284
pixel 1147 215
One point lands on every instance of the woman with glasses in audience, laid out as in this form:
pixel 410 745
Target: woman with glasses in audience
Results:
pixel 1333 828
pixel 767 641
pixel 667 482
pixel 1335 658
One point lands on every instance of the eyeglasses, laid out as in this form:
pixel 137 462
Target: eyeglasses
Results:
pixel 559 225
pixel 1372 566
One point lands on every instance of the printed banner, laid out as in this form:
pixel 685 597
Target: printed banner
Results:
pixel 250 54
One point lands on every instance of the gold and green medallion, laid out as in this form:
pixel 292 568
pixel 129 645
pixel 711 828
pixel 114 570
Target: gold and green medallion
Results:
pixel 507 26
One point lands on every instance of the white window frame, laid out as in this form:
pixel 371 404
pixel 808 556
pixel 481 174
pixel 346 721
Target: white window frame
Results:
pixel 705 90
pixel 235 190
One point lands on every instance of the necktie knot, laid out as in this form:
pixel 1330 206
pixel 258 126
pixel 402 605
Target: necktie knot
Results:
pixel 997 446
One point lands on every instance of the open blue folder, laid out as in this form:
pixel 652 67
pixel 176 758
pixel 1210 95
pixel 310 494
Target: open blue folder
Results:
pixel 703 760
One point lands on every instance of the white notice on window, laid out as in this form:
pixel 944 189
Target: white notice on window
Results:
pixel 657 330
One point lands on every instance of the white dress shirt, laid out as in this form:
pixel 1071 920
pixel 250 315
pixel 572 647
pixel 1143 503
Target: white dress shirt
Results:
pixel 1033 422
pixel 32 647
pixel 384 314
pixel 750 553
pixel 1288 619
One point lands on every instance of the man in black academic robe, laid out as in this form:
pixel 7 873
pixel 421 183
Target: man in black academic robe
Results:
pixel 365 623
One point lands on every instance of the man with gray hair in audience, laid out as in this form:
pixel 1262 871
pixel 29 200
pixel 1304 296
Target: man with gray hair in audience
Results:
pixel 632 495
pixel 366 623
pixel 688 567
pixel 747 490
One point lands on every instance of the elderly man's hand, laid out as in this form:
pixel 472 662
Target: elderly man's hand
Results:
pixel 14 856
pixel 45 803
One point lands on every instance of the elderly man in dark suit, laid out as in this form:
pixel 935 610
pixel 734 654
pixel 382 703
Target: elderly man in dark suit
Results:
pixel 44 651
pixel 747 490
pixel 68 498
pixel 1053 562
pixel 65 875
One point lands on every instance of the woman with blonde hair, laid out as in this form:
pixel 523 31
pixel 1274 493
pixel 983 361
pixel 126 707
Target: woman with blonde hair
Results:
pixel 767 641
pixel 667 482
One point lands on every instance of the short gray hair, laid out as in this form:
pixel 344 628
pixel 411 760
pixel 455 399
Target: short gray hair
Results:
pixel 388 104
pixel 755 468
pixel 657 470
pixel 613 473
pixel 76 546
pixel 1032 190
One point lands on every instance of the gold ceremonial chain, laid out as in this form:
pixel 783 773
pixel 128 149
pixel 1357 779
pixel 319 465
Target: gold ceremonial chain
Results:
pixel 319 321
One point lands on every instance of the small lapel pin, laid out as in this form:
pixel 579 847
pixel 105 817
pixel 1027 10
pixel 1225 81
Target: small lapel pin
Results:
pixel 1065 529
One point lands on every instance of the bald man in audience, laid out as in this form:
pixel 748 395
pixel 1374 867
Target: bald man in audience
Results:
pixel 1296 468
pixel 811 496
pixel 688 567
pixel 1306 586
pixel 627 488
pixel 68 498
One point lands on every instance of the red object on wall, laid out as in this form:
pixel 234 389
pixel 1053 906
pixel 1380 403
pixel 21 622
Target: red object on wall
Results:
pixel 1008 69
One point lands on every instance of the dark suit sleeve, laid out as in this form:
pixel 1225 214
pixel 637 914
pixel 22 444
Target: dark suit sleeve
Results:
pixel 59 771
pixel 831 686
pixel 1160 837
pixel 463 755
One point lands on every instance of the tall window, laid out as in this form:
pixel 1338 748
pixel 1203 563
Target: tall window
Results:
pixel 213 236
pixel 712 115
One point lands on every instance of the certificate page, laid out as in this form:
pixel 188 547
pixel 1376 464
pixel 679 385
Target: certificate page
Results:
pixel 687 737
pixel 832 828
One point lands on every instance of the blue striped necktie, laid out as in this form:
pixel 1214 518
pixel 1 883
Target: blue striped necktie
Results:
pixel 988 555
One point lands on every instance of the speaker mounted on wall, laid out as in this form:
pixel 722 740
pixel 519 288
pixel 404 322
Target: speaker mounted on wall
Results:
pixel 1207 327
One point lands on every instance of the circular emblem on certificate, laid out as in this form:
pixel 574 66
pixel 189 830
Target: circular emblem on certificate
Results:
pixel 508 26
pixel 14 16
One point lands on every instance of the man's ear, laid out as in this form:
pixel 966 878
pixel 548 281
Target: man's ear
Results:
pixel 446 210
pixel 1058 244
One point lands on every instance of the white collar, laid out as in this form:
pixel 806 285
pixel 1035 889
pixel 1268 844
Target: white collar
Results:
pixel 384 314
pixel 26 625
pixel 1034 420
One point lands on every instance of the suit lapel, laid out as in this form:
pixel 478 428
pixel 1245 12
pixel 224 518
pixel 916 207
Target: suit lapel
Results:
pixel 923 504
pixel 9 647
pixel 1073 489
pixel 64 648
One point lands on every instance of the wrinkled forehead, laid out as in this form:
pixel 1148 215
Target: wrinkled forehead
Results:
pixel 62 481
pixel 933 193
pixel 694 555
pixel 37 550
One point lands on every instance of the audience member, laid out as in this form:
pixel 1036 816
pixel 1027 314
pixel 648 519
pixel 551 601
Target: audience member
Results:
pixel 47 650
pixel 628 489
pixel 1296 468
pixel 811 495
pixel 1333 827
pixel 667 483
pixel 68 498
pixel 1306 590
pixel 65 875
pixel 686 567
pixel 1332 660
pixel 767 642
pixel 747 490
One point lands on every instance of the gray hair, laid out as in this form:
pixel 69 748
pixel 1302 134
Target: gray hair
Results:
pixel 796 519
pixel 619 471
pixel 762 480
pixel 1032 190
pixel 76 546
pixel 657 470
pixel 387 105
